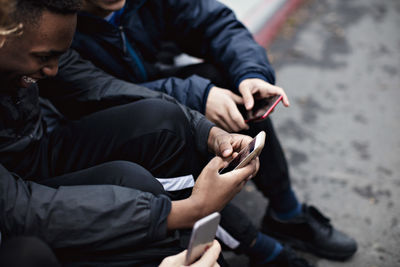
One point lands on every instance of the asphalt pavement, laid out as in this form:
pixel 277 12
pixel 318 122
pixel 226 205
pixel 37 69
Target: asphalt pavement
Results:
pixel 339 62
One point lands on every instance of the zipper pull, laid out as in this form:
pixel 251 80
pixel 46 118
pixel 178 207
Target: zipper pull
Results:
pixel 121 31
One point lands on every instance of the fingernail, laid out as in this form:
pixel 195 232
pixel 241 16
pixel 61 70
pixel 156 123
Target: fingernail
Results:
pixel 226 152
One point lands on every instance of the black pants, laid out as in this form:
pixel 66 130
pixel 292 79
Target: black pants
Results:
pixel 273 176
pixel 27 252
pixel 147 138
pixel 151 133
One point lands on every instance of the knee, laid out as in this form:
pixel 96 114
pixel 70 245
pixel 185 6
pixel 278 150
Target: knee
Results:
pixel 162 114
pixel 164 109
pixel 134 176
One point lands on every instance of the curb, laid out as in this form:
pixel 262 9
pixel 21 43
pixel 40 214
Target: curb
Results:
pixel 273 24
pixel 263 18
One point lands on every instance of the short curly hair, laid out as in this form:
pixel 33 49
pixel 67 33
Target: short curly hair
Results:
pixel 29 11
pixel 6 9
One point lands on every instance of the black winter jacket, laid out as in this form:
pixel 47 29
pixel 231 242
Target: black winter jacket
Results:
pixel 74 216
pixel 81 217
pixel 203 28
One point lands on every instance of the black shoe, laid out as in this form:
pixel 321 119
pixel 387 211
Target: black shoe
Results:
pixel 312 232
pixel 286 258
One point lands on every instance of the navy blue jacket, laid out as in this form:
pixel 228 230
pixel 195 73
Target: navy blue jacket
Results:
pixel 203 28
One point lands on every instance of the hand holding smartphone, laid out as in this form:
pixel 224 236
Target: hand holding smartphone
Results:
pixel 202 236
pixel 246 154
pixel 262 108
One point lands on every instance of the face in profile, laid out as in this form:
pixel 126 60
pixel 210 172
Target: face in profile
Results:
pixel 102 7
pixel 34 54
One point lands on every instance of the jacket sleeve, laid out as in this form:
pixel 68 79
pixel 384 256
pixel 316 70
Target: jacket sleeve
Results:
pixel 208 29
pixel 80 88
pixel 191 92
pixel 93 217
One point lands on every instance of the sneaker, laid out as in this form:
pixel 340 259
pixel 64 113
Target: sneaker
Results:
pixel 312 232
pixel 287 258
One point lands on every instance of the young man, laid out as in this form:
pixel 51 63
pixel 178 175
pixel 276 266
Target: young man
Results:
pixel 92 194
pixel 20 251
pixel 125 38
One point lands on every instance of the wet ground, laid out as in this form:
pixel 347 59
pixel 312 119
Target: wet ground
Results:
pixel 339 62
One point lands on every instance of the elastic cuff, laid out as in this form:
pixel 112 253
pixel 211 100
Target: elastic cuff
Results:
pixel 160 207
pixel 202 132
pixel 251 75
pixel 207 91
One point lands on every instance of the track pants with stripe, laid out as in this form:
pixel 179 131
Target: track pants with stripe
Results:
pixel 129 145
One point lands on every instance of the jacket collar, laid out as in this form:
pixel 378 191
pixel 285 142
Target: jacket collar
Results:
pixel 88 23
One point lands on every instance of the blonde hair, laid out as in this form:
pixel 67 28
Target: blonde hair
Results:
pixel 7 25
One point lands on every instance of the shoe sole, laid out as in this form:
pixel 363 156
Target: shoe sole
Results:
pixel 310 248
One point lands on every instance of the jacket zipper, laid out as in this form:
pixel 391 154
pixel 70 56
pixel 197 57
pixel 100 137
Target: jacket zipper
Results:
pixel 127 48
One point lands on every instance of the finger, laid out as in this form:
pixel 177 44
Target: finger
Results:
pixel 223 124
pixel 276 90
pixel 174 260
pixel 247 97
pixel 231 124
pixel 241 174
pixel 238 99
pixel 232 116
pixel 181 256
pixel 252 168
pixel 237 118
pixel 210 257
pixel 285 99
pixel 240 141
pixel 226 117
pixel 255 161
pixel 224 146
pixel 216 163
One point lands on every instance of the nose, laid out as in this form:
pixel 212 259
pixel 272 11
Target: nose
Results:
pixel 51 68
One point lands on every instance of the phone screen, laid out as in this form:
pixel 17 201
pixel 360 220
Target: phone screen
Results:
pixel 240 157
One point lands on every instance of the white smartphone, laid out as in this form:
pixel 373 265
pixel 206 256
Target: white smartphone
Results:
pixel 246 154
pixel 202 236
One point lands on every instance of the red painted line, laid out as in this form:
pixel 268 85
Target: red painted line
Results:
pixel 265 36
pixel 256 12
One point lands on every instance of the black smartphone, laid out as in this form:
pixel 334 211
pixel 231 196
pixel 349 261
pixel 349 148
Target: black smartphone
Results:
pixel 246 154
pixel 262 108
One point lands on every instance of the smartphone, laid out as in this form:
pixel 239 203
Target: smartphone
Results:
pixel 246 154
pixel 262 108
pixel 202 236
